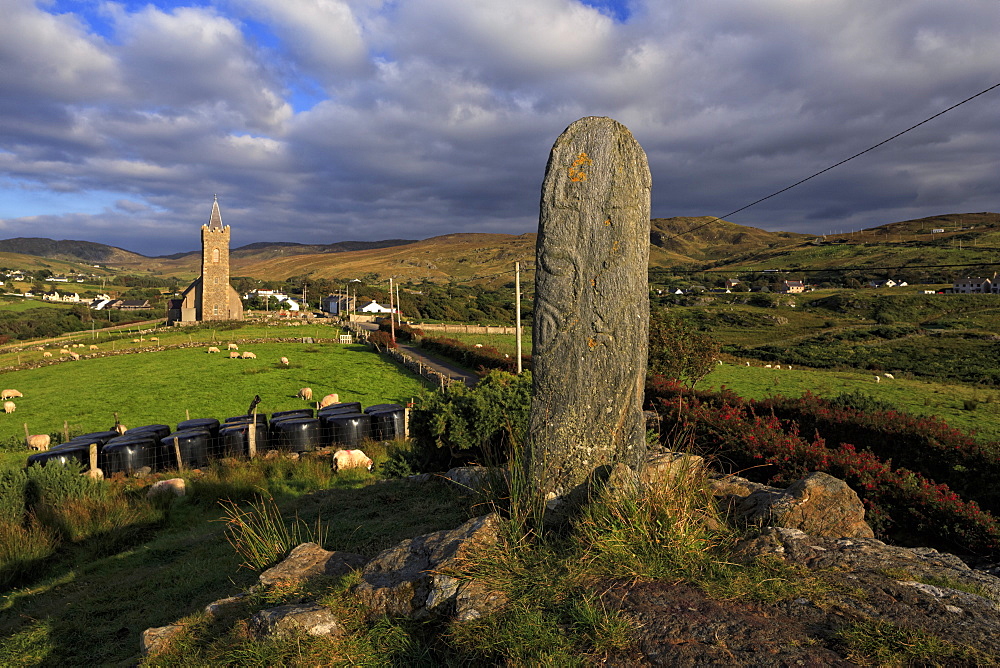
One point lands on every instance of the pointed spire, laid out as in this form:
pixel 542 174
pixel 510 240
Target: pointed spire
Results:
pixel 215 222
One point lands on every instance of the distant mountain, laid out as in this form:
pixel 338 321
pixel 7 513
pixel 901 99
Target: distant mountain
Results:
pixel 265 249
pixel 73 251
pixel 684 240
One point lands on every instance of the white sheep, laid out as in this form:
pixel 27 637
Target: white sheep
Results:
pixel 305 393
pixel 10 394
pixel 93 347
pixel 329 400
pixel 136 340
pixel 39 442
pixel 889 376
pixel 249 356
pixel 213 349
pixel 767 366
pixel 351 459
pixel 234 356
pixel 46 354
pixel 232 346
pixel 64 351
pixel 748 363
pixel 153 338
pixel 878 379
pixel 9 407
pixel 75 356
pixel 284 360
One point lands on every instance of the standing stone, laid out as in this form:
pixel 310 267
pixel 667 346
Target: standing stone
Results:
pixel 591 313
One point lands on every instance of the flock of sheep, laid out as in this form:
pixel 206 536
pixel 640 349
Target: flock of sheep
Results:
pixel 878 378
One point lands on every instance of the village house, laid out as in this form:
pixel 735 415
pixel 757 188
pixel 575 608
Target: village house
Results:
pixel 375 307
pixel 792 287
pixel 976 285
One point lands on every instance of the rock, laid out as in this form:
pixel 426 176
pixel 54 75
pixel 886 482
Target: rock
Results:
pixel 470 479
pixel 175 486
pixel 411 579
pixel 819 505
pixel 309 560
pixel 591 313
pixel 285 620
pixel 218 608
pixel 672 468
pixel 142 472
pixel 156 639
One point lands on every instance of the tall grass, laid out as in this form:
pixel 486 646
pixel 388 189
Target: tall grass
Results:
pixel 261 536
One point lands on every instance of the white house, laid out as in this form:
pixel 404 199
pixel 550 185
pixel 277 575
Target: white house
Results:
pixel 974 284
pixel 375 307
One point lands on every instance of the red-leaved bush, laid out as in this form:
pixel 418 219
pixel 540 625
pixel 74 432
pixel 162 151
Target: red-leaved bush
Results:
pixel 904 504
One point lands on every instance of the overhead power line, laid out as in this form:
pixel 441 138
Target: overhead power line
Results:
pixel 801 270
pixel 823 171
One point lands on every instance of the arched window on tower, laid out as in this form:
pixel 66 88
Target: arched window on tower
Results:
pixel 215 310
pixel 215 255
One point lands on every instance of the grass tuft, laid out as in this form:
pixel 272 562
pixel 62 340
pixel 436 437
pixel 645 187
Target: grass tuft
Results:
pixel 261 536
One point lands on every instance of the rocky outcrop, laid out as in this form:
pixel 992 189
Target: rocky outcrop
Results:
pixel 819 505
pixel 155 640
pixel 285 620
pixel 310 560
pixel 412 579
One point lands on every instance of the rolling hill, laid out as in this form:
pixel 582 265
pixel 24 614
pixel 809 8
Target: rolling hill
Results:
pixel 694 243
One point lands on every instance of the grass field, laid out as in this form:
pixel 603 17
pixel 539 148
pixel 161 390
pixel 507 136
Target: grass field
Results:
pixel 917 397
pixel 163 386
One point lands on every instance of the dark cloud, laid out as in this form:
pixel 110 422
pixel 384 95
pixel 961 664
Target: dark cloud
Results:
pixel 439 114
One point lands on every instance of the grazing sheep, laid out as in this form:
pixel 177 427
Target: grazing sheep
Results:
pixel 232 346
pixel 75 356
pixel 154 338
pixel 748 363
pixel 173 486
pixel 249 356
pixel 284 360
pixel 329 400
pixel 305 393
pixel 479 345
pixel 234 356
pixel 93 347
pixel 136 340
pixel 9 407
pixel 213 349
pixel 64 351
pixel 351 459
pixel 889 376
pixel 878 379
pixel 10 394
pixel 767 366
pixel 39 442
pixel 46 354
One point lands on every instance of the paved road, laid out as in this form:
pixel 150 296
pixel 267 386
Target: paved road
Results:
pixel 443 366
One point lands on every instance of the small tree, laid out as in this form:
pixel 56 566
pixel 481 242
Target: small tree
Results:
pixel 677 351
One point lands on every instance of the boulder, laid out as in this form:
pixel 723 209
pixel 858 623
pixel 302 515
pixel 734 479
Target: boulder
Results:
pixel 175 486
pixel 219 607
pixel 672 468
pixel 309 560
pixel 411 579
pixel 818 504
pixel 311 618
pixel 155 640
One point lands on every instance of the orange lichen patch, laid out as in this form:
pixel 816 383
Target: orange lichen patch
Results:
pixel 576 172
pixel 607 222
pixel 592 343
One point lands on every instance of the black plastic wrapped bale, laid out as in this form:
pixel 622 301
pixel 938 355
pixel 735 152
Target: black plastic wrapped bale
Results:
pixel 298 434
pixel 157 431
pixel 211 425
pixel 234 439
pixel 299 412
pixel 99 437
pixel 194 445
pixel 377 408
pixel 127 454
pixel 347 430
pixel 63 455
pixel 343 407
pixel 261 419
pixel 388 425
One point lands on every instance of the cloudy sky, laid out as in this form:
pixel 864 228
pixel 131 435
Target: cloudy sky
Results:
pixel 328 120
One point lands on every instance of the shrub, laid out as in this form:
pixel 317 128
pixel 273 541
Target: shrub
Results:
pixel 463 424
pixel 482 358
pixel 678 352
pixel 858 400
pixel 381 339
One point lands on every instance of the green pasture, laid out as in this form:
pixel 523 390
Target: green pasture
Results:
pixel 917 397
pixel 19 304
pixel 166 386
pixel 505 343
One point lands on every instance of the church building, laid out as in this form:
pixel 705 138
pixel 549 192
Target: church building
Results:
pixel 210 296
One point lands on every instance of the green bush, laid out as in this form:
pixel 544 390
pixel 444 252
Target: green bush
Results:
pixel 12 487
pixel 478 424
pixel 52 485
pixel 858 400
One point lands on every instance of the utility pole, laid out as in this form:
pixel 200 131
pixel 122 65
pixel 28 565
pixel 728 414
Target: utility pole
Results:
pixel 399 307
pixel 517 312
pixel 305 295
pixel 392 312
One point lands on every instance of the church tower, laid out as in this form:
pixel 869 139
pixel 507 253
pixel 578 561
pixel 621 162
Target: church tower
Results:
pixel 210 297
pixel 215 268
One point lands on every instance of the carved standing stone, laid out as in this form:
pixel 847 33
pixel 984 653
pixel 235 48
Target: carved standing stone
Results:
pixel 591 312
